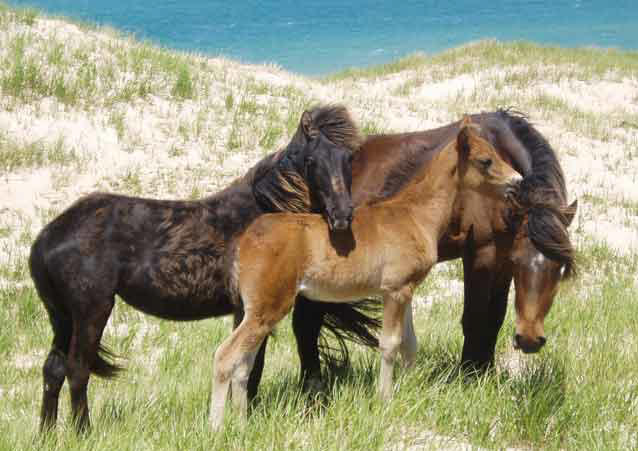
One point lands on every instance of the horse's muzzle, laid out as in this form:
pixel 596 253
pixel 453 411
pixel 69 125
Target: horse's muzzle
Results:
pixel 342 222
pixel 527 345
pixel 513 186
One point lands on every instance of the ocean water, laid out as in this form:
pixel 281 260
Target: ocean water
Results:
pixel 318 37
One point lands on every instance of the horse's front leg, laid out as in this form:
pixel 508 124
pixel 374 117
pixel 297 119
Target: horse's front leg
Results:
pixel 307 319
pixel 394 305
pixel 487 285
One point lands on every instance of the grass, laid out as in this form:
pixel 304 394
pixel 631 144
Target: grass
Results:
pixel 579 392
pixel 15 156
pixel 581 63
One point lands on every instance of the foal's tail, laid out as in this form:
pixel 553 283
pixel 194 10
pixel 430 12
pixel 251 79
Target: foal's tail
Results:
pixel 59 316
pixel 355 322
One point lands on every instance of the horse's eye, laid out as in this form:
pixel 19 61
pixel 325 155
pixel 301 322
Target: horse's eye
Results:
pixel 310 160
pixel 486 163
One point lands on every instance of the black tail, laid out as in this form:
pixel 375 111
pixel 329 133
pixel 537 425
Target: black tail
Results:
pixel 103 365
pixel 354 322
pixel 60 318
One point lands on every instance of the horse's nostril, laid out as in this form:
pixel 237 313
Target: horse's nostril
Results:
pixel 517 341
pixel 542 341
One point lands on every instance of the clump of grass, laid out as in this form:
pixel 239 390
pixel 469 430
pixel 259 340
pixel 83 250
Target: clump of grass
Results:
pixel 183 87
pixel 35 154
pixel 229 101
pixel 270 137
pixel 131 183
pixel 117 121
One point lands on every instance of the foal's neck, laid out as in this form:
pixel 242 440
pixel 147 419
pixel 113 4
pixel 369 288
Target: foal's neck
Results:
pixel 431 194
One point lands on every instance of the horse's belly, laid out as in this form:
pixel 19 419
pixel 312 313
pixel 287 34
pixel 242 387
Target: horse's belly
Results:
pixel 177 294
pixel 330 293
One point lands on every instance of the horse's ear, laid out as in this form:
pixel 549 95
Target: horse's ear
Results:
pixel 570 212
pixel 308 127
pixel 463 141
pixel 467 120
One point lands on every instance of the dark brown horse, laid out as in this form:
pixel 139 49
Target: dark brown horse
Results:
pixel 497 243
pixel 170 258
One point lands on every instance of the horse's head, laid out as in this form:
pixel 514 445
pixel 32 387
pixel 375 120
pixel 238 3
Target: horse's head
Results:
pixel 328 139
pixel 480 167
pixel 541 257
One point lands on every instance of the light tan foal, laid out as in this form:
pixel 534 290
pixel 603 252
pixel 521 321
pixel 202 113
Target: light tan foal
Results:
pixel 388 252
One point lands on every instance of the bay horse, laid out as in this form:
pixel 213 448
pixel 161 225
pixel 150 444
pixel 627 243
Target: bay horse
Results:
pixel 388 251
pixel 170 259
pixel 530 246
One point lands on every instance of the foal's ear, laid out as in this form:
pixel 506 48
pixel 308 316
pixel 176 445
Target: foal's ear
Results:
pixel 467 120
pixel 463 139
pixel 308 127
pixel 570 212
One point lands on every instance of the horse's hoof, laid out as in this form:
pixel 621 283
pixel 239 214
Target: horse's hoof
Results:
pixel 313 386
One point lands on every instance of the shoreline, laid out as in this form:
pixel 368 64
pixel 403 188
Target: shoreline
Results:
pixel 330 56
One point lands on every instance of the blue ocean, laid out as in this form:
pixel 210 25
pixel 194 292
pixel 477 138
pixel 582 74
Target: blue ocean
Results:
pixel 319 37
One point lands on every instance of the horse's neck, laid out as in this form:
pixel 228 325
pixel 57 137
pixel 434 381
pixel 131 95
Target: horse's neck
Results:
pixel 233 208
pixel 432 194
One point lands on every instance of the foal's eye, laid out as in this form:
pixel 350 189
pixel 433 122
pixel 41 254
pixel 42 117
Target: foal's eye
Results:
pixel 310 160
pixel 486 163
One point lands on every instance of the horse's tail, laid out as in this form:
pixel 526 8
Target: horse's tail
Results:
pixel 59 317
pixel 354 322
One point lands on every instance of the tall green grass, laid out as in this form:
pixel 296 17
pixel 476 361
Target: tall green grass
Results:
pixel 580 392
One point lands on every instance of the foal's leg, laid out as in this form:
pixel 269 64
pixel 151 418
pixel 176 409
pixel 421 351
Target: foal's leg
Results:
pixel 394 305
pixel 258 367
pixel 236 355
pixel 408 343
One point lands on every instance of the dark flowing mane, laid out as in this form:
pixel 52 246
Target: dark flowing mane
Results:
pixel 279 184
pixel 334 122
pixel 543 195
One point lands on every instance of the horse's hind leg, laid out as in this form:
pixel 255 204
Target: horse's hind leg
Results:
pixel 408 343
pixel 53 372
pixel 394 305
pixel 233 363
pixel 88 325
pixel 235 357
pixel 258 366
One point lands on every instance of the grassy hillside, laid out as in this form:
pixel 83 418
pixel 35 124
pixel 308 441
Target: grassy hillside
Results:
pixel 83 109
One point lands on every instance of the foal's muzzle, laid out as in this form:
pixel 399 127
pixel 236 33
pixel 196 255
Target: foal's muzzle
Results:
pixel 528 345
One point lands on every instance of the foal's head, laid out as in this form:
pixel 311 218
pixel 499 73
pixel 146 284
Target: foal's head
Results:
pixel 325 160
pixel 480 166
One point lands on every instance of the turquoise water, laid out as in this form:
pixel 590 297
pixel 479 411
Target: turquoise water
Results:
pixel 316 37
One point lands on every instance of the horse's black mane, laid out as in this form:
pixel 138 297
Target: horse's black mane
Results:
pixel 279 184
pixel 543 195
